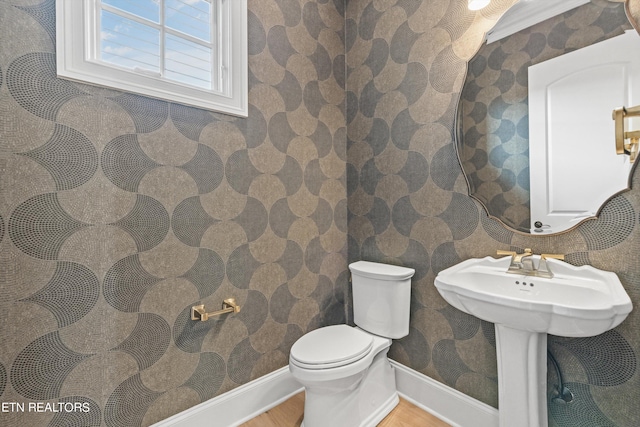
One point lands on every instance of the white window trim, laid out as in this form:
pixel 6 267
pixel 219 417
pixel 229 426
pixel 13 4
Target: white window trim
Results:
pixel 75 24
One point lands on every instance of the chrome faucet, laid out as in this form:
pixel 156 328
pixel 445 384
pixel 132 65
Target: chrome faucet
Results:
pixel 523 263
pixel 520 263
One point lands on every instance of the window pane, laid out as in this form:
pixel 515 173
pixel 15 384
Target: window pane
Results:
pixel 187 62
pixel 128 44
pixel 192 17
pixel 148 9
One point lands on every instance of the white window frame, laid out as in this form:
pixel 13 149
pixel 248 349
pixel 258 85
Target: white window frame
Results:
pixel 77 34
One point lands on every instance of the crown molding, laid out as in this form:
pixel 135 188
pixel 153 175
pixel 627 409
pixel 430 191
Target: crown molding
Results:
pixel 526 13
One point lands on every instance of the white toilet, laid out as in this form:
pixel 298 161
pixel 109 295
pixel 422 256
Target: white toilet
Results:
pixel 347 377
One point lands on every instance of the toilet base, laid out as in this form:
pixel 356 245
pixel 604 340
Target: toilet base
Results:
pixel 379 414
pixel 364 403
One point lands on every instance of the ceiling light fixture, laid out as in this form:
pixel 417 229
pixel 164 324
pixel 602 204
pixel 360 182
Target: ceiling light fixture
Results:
pixel 477 4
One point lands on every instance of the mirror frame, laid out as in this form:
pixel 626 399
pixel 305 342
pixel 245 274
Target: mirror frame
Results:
pixel 630 11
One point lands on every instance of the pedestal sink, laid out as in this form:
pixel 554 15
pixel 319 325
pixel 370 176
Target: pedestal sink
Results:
pixel 575 302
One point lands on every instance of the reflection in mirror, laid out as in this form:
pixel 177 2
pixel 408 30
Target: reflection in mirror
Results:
pixel 493 128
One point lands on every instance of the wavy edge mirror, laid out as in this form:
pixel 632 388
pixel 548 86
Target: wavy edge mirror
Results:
pixel 632 12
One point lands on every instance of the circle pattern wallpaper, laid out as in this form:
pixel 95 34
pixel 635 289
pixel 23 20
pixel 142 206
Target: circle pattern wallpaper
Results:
pixel 118 213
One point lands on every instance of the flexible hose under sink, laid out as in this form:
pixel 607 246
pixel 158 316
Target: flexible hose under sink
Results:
pixel 562 394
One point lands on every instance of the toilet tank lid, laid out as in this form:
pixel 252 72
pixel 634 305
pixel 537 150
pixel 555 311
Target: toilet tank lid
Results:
pixel 381 271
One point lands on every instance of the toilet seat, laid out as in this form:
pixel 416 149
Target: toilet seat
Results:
pixel 331 347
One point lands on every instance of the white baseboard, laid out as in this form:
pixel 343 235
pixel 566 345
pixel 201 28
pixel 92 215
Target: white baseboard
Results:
pixel 444 402
pixel 240 404
pixel 250 400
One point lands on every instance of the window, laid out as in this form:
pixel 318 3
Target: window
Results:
pixel 192 52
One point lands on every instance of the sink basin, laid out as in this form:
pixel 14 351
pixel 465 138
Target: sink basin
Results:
pixel 576 302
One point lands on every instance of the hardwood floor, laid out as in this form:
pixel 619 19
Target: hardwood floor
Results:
pixel 409 415
pixel 289 414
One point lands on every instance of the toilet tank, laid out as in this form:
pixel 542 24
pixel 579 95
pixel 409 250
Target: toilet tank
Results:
pixel 381 298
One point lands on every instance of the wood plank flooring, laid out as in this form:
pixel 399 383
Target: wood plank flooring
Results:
pixel 289 414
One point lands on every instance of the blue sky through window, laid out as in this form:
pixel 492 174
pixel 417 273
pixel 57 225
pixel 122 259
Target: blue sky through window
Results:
pixel 187 62
pixel 132 39
pixel 147 9
pixel 129 44
pixel 192 17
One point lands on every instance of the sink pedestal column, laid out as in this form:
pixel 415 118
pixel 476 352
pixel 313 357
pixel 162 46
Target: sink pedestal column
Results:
pixel 522 377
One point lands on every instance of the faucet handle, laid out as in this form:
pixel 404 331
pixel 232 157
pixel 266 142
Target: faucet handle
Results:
pixel 518 257
pixel 543 267
pixel 554 256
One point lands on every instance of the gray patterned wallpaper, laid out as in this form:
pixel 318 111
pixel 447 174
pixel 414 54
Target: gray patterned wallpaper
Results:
pixel 408 205
pixel 494 108
pixel 117 213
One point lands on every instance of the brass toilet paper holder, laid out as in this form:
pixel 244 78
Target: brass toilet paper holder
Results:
pixel 198 312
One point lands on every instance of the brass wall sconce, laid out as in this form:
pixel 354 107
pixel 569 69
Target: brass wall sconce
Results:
pixel 622 146
pixel 198 312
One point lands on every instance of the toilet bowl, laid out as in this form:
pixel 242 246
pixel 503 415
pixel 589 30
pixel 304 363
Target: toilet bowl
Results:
pixel 345 371
pixel 355 387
